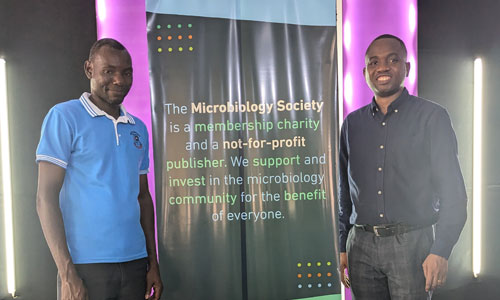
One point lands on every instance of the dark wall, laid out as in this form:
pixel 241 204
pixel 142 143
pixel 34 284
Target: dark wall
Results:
pixel 451 34
pixel 44 43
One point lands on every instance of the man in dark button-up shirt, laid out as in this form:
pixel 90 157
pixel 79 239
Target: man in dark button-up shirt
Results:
pixel 399 175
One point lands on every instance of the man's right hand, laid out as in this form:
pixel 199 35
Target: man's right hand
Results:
pixel 73 289
pixel 342 268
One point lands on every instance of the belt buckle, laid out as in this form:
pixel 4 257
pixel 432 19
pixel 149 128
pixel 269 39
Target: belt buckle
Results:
pixel 376 228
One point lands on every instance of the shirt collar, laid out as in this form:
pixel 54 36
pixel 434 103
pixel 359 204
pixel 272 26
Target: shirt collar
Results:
pixel 394 105
pixel 95 111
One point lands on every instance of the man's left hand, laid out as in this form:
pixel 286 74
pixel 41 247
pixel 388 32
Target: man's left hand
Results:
pixel 153 281
pixel 435 271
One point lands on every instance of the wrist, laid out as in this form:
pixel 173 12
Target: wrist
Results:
pixel 69 275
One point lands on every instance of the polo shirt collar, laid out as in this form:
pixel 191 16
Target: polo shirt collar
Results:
pixel 394 105
pixel 95 111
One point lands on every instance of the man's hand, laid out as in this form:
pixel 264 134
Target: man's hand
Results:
pixel 435 271
pixel 342 268
pixel 153 280
pixel 73 289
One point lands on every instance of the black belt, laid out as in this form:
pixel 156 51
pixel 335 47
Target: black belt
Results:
pixel 389 229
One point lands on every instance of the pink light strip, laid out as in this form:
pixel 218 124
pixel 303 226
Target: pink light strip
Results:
pixel 125 21
pixel 362 22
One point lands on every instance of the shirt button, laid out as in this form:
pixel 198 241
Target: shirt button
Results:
pixel 381 215
pixel 381 146
pixel 395 110
pixel 383 123
pixel 380 169
pixel 379 192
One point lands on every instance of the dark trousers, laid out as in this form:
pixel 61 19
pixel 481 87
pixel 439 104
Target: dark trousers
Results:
pixel 112 281
pixel 388 268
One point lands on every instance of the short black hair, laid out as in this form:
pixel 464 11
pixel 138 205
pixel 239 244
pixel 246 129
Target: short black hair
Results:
pixel 389 36
pixel 105 42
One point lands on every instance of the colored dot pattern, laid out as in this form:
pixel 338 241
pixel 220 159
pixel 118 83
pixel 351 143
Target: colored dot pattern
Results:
pixel 176 36
pixel 317 274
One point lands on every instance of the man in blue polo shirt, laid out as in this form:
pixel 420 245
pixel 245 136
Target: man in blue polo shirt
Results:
pixel 93 200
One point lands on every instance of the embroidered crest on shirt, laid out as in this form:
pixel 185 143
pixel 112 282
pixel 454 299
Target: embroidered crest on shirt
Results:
pixel 137 141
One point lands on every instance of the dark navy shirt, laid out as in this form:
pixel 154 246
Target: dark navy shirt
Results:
pixel 401 167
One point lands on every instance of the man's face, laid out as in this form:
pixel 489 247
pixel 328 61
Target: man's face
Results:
pixel 386 67
pixel 110 74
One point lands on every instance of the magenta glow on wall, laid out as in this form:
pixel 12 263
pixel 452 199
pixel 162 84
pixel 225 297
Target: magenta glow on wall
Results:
pixel 362 22
pixel 125 21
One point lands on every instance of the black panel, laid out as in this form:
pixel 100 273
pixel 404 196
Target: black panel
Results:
pixel 44 43
pixel 451 34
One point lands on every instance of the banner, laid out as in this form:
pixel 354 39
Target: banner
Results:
pixel 244 105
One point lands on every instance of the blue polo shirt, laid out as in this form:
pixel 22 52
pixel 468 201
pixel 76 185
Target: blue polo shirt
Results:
pixel 103 158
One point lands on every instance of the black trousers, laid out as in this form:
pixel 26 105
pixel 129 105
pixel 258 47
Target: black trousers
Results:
pixel 112 281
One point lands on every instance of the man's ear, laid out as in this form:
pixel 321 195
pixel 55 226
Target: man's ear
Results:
pixel 407 68
pixel 88 68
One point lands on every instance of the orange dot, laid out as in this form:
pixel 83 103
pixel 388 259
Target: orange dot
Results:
pixel 180 37
pixel 190 37
pixel 319 274
pixel 299 275
pixel 309 275
pixel 169 37
pixel 329 274
pixel 159 38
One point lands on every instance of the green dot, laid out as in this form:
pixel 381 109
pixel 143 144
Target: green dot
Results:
pixel 308 264
pixel 191 48
pixel 170 49
pixel 318 264
pixel 190 25
pixel 169 26
pixel 160 50
pixel 299 265
pixel 180 49
pixel 179 25
pixel 158 26
pixel 329 263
